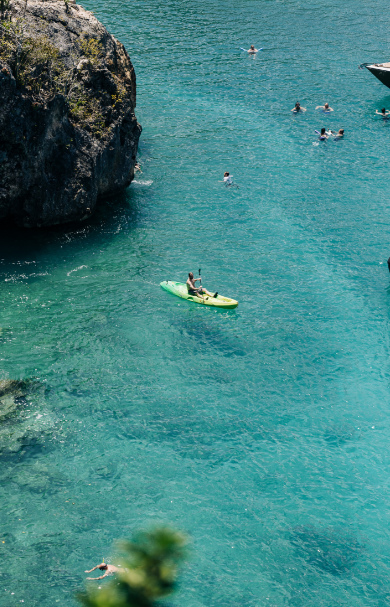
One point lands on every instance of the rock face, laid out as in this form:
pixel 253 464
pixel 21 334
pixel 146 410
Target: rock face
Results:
pixel 68 133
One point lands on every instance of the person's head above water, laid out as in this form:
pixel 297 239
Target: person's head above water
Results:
pixel 341 131
pixel 323 131
pixel 326 106
pixel 226 174
pixel 103 566
pixel 383 110
pixel 297 105
pixel 252 47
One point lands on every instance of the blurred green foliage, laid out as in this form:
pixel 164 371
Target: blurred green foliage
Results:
pixel 150 570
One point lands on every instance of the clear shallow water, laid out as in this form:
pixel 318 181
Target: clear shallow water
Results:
pixel 263 431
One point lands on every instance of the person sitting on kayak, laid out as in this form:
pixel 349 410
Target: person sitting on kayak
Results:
pixel 194 290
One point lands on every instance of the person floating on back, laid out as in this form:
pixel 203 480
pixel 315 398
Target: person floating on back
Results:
pixel 197 291
pixel 384 113
pixel 109 570
pixel 297 108
pixel 325 108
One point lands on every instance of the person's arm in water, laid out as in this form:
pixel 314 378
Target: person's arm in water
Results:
pixel 90 570
pixel 320 107
pixel 100 576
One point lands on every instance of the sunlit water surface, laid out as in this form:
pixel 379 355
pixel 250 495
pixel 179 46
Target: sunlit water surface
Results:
pixel 263 432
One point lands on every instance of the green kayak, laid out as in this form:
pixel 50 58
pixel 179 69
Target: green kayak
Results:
pixel 180 289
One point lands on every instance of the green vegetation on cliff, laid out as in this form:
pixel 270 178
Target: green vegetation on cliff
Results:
pixel 37 66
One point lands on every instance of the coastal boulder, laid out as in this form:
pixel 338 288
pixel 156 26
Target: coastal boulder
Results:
pixel 68 132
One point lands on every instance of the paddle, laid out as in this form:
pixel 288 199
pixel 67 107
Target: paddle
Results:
pixel 200 283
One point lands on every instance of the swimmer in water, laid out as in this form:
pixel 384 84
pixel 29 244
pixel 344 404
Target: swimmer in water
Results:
pixel 109 570
pixel 340 134
pixel 323 135
pixel 325 108
pixel 252 50
pixel 384 113
pixel 298 108
pixel 227 178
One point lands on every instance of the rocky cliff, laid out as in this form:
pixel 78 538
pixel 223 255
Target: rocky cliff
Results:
pixel 68 133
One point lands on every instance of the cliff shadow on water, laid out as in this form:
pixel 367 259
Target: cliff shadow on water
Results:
pixel 20 246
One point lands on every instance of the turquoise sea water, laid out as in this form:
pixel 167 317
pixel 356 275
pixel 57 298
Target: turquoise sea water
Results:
pixel 263 432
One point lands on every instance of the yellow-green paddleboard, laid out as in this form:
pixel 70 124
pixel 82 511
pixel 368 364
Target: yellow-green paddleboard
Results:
pixel 180 289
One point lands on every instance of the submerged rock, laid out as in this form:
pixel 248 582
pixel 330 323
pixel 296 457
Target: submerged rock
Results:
pixel 17 387
pixel 24 417
pixel 328 549
pixel 10 391
pixel 68 132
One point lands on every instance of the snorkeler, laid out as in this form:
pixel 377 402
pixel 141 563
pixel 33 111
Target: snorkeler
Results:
pixel 298 108
pixel 384 113
pixel 109 570
pixel 325 108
